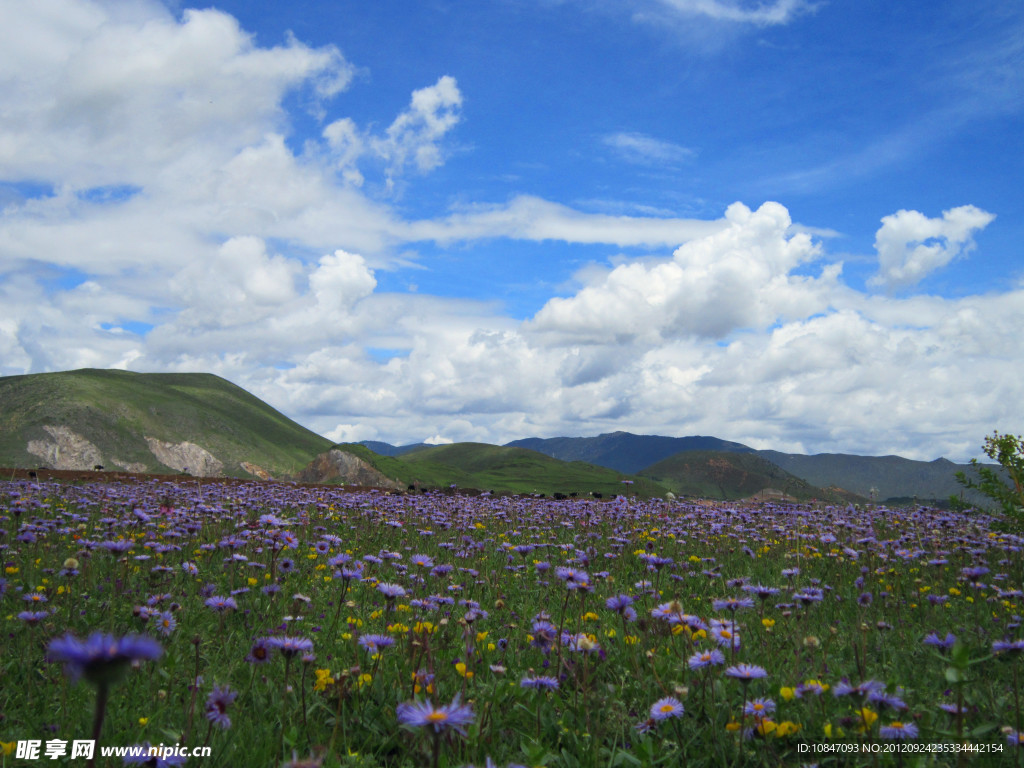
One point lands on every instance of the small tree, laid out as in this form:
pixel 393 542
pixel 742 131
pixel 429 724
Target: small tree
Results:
pixel 1008 450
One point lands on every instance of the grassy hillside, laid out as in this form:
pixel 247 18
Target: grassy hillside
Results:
pixel 117 410
pixel 888 476
pixel 730 476
pixel 499 468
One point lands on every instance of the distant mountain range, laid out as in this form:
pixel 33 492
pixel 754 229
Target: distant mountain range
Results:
pixel 202 425
pixel 868 477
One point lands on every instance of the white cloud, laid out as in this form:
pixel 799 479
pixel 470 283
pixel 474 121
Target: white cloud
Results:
pixel 911 246
pixel 414 137
pixel 736 278
pixel 758 13
pixel 527 217
pixel 647 150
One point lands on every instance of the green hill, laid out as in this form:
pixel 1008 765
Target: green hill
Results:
pixel 731 476
pixel 147 422
pixel 491 467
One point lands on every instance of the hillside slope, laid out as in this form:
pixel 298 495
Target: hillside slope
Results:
pixel 731 476
pixel 500 468
pixel 147 422
pixel 880 477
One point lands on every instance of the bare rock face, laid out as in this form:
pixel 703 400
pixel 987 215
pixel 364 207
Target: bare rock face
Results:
pixel 341 466
pixel 256 471
pixel 129 466
pixel 188 458
pixel 65 450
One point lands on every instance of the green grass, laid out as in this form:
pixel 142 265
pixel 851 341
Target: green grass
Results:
pixel 486 467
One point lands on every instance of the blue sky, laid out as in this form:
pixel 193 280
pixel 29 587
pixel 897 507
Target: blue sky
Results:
pixel 792 224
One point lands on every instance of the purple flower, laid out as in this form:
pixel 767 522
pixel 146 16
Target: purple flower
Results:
pixel 898 731
pixel 703 659
pixel 221 604
pixel 260 651
pixel 376 643
pixel 1010 647
pixel 452 716
pixel 759 707
pixel 945 643
pixel 732 604
pixel 746 672
pixel 291 646
pixel 665 708
pixel 864 689
pixel 102 658
pixel 217 704
pixel 541 683
pixel 391 591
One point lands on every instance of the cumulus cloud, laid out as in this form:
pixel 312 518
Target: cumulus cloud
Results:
pixel 911 246
pixel 737 278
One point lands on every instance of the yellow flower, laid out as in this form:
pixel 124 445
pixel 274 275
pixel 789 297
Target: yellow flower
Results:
pixel 787 694
pixel 323 679
pixel 463 672
pixel 481 636
pixel 252 581
pixel 829 733
pixel 632 639
pixel 732 725
pixel 786 728
pixel 764 727
pixel 867 718
pixel 7 747
pixel 364 679
pixel 143 720
pixel 954 591
pixel 590 616
pixel 768 623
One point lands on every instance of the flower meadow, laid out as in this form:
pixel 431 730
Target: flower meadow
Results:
pixel 314 626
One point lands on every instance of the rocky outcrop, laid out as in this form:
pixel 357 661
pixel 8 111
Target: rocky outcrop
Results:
pixel 188 458
pixel 342 467
pixel 129 466
pixel 65 450
pixel 256 471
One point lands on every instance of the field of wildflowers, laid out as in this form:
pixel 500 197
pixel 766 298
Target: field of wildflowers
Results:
pixel 292 626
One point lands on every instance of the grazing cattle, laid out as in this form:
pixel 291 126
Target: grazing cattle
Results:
pixel 597 495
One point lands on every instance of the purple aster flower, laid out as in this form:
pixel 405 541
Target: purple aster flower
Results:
pixel 217 704
pixel 376 643
pixel 221 604
pixel 703 659
pixel 732 604
pixel 574 578
pixel 291 646
pixel 898 731
pixel 391 591
pixel 33 617
pixel 843 688
pixel 259 653
pixel 454 716
pixel 166 623
pixel 541 683
pixel 102 658
pixel 759 708
pixel 665 708
pixel 945 643
pixel 1009 647
pixel 619 603
pixel 746 672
